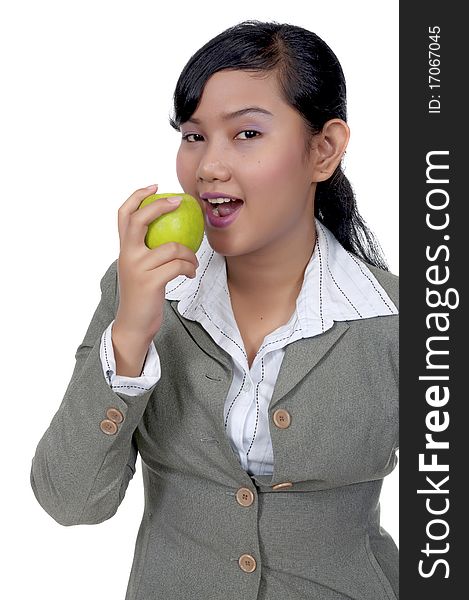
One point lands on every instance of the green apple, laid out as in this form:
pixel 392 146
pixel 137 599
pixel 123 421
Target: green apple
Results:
pixel 184 224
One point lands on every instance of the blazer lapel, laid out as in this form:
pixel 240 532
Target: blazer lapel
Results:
pixel 301 356
pixel 203 339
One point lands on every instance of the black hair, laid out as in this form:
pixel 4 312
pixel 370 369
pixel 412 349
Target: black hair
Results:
pixel 311 80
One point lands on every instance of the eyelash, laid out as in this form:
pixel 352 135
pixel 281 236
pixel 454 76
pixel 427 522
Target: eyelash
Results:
pixel 184 137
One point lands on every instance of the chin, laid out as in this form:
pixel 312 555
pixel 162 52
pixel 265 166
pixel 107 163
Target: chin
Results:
pixel 227 246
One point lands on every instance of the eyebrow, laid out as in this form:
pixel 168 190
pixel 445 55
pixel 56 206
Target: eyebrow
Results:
pixel 237 113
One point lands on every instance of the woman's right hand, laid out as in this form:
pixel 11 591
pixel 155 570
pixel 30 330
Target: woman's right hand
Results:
pixel 144 272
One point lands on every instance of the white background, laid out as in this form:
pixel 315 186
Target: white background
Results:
pixel 87 89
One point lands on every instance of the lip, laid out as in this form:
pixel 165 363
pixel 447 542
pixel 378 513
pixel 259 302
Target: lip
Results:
pixel 212 220
pixel 211 195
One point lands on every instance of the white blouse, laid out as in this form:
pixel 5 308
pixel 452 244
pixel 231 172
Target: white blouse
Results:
pixel 337 286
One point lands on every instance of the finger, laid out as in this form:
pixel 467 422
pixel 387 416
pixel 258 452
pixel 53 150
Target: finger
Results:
pixel 174 268
pixel 166 253
pixel 130 206
pixel 140 220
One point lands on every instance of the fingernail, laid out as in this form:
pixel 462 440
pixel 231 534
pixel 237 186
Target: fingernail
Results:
pixel 175 199
pixel 150 187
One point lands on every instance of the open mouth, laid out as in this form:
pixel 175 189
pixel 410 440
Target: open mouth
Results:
pixel 222 214
pixel 223 209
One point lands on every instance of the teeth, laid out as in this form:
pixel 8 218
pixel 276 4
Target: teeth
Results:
pixel 218 200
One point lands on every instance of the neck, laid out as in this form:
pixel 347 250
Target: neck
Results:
pixel 273 275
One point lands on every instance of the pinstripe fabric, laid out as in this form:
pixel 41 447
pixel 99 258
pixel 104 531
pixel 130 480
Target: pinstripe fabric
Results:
pixel 337 286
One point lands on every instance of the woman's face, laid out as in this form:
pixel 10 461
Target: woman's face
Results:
pixel 256 157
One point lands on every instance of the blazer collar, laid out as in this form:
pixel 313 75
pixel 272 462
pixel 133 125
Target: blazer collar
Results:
pixel 338 287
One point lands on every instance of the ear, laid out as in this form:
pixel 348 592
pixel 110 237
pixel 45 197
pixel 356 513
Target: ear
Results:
pixel 329 148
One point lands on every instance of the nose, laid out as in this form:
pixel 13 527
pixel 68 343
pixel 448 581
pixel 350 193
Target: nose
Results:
pixel 211 168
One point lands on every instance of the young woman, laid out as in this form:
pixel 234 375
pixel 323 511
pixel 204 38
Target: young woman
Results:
pixel 258 379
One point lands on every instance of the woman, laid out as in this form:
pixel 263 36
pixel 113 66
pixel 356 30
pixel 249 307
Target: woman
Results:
pixel 258 380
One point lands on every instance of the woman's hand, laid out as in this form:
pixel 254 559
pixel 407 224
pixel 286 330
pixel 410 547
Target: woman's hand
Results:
pixel 144 273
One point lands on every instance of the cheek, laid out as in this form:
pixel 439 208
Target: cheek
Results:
pixel 285 163
pixel 185 168
pixel 181 167
pixel 276 173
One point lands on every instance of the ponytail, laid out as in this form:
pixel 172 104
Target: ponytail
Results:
pixel 336 208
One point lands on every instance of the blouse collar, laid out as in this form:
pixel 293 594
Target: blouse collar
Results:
pixel 337 286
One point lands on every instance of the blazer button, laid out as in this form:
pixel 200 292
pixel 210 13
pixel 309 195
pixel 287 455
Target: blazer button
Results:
pixel 247 563
pixel 244 496
pixel 108 427
pixel 282 486
pixel 282 418
pixel 114 415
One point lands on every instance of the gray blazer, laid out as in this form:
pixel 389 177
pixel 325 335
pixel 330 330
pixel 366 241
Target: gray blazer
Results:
pixel 209 530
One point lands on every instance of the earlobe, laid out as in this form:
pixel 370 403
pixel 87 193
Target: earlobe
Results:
pixel 330 147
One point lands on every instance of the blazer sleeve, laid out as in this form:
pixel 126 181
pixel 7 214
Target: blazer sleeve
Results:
pixel 80 471
pixel 133 386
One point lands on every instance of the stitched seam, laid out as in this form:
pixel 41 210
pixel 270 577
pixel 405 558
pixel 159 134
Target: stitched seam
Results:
pixel 137 387
pixel 257 407
pixel 234 399
pixel 109 372
pixel 143 560
pixel 374 287
pixel 222 332
pixel 320 283
pixel 184 280
pixel 91 487
pixel 200 283
pixel 337 285
pixel 382 578
pixel 287 337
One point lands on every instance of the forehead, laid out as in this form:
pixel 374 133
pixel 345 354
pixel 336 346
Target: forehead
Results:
pixel 228 92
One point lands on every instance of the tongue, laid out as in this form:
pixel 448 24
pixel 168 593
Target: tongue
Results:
pixel 227 208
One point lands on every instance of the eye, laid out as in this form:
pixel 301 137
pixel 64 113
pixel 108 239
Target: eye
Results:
pixel 187 135
pixel 250 131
